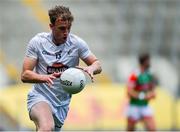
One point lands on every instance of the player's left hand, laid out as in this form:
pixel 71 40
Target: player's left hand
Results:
pixel 87 70
pixel 150 95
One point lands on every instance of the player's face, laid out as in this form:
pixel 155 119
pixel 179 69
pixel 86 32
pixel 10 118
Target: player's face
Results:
pixel 147 64
pixel 60 31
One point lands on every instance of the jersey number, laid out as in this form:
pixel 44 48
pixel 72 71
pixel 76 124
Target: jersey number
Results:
pixel 58 56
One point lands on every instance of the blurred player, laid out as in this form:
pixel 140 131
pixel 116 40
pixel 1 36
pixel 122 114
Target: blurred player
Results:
pixel 47 56
pixel 140 90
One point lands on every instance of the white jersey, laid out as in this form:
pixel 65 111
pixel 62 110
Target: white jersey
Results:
pixel 52 58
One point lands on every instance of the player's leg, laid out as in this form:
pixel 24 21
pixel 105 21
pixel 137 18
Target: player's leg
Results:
pixel 131 123
pixel 58 125
pixel 133 117
pixel 149 123
pixel 148 119
pixel 60 116
pixel 42 116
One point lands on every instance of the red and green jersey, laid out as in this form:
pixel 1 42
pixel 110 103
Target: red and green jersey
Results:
pixel 141 82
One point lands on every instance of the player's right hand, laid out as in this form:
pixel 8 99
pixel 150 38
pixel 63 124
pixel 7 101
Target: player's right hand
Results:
pixel 49 78
pixel 56 74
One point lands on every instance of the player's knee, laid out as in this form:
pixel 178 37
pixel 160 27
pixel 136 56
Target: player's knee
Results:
pixel 48 126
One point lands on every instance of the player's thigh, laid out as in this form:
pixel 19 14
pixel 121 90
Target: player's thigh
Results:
pixel 133 117
pixel 148 119
pixel 146 111
pixel 133 112
pixel 41 113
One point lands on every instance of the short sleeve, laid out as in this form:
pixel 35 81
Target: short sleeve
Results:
pixel 31 50
pixel 84 50
pixel 132 80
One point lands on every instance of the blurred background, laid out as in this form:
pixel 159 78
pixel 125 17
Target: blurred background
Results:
pixel 116 31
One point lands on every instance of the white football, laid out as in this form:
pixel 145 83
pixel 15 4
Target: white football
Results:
pixel 73 80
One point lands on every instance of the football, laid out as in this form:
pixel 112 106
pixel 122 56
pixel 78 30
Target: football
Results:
pixel 73 80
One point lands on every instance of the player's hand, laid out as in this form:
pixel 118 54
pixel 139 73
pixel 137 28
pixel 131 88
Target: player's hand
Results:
pixel 49 78
pixel 56 74
pixel 87 70
pixel 150 95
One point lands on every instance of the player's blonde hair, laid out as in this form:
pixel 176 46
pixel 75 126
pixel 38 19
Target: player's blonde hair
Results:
pixel 60 11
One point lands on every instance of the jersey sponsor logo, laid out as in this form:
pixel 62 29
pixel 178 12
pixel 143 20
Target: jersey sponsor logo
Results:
pixel 57 54
pixel 44 52
pixel 143 87
pixel 56 67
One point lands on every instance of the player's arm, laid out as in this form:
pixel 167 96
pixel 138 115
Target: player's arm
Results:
pixel 138 95
pixel 93 65
pixel 151 93
pixel 29 76
pixel 132 93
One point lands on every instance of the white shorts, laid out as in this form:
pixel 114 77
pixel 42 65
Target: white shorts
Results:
pixel 59 112
pixel 138 112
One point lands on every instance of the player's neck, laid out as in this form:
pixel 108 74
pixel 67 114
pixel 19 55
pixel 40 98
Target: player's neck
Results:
pixel 55 42
pixel 143 69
